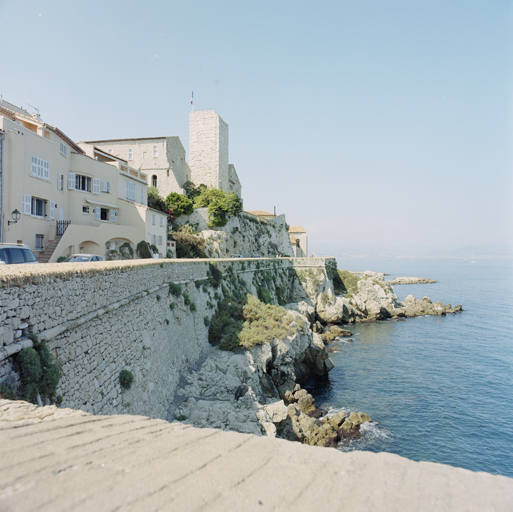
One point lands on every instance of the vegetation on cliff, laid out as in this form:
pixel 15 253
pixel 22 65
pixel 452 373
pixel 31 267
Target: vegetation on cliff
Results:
pixel 220 205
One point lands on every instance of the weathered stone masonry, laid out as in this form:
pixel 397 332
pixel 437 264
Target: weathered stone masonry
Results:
pixel 99 319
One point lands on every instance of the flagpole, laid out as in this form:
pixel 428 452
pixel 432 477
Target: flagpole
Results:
pixel 192 100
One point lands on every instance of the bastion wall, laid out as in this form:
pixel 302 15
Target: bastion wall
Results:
pixel 101 318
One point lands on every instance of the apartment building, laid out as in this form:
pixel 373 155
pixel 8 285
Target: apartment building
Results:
pixel 60 198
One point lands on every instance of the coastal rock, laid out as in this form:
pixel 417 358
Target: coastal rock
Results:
pixel 376 300
pixel 242 391
pixel 410 280
pixel 331 309
pixel 303 308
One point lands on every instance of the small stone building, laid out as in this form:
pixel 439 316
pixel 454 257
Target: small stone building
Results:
pixel 299 241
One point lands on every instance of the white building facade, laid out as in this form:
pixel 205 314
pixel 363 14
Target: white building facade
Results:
pixel 71 199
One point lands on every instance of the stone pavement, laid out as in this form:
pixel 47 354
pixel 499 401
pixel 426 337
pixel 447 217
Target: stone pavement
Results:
pixel 58 459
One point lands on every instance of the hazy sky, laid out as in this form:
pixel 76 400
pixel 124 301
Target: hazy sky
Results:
pixel 372 123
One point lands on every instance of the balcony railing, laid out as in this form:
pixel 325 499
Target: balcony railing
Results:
pixel 61 226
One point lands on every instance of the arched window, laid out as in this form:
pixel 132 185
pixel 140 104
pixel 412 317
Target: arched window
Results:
pixel 154 180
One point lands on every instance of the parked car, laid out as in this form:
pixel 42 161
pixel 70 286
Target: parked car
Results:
pixel 82 258
pixel 11 254
pixel 237 256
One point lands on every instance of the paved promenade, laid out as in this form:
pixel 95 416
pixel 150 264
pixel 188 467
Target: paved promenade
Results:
pixel 63 460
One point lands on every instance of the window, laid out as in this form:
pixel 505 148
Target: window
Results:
pixel 160 240
pixel 142 194
pixel 153 219
pixel 155 151
pixel 85 209
pixel 39 242
pixel 82 183
pixel 154 239
pixel 63 150
pixel 104 214
pixel 130 154
pixel 105 186
pixel 130 191
pixel 60 181
pixel 38 207
pixel 154 180
pixel 161 220
pixel 40 168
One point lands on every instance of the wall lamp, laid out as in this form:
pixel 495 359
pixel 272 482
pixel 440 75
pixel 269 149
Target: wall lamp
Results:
pixel 16 217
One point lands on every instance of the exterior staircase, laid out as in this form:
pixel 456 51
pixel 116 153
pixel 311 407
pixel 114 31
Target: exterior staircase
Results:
pixel 46 253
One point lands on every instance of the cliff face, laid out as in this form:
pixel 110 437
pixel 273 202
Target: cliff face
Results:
pixel 244 235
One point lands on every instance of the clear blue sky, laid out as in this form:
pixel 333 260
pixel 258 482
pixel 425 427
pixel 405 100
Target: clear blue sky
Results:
pixel 374 124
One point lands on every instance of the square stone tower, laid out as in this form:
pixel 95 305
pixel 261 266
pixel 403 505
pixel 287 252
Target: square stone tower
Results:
pixel 208 149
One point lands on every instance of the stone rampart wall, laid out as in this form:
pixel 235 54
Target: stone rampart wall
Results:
pixel 99 319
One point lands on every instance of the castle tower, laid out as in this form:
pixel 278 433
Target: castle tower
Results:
pixel 208 149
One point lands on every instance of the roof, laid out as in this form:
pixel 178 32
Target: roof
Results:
pixel 129 139
pixel 297 229
pixel 260 213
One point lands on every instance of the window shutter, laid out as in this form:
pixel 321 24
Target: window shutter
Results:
pixel 33 169
pixel 142 194
pixel 113 215
pixel 52 210
pixel 96 186
pixel 59 181
pixel 27 204
pixel 105 186
pixel 46 170
pixel 71 181
pixel 97 213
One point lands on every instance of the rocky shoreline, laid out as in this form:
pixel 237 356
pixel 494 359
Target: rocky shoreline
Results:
pixel 410 280
pixel 259 391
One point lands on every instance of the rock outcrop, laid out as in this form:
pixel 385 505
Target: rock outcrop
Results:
pixel 410 280
pixel 257 391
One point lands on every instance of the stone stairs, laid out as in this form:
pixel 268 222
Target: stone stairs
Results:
pixel 46 253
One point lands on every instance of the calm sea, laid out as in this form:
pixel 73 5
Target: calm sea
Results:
pixel 441 388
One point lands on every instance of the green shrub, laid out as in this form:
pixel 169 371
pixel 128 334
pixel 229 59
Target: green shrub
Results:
pixel 192 307
pixel 191 190
pixel 175 289
pixel 8 391
pixel 186 299
pixel 126 251
pixel 221 205
pixel 126 378
pixel 348 283
pixel 172 306
pixel 237 325
pixel 158 298
pixel 30 366
pixel 188 246
pixel 60 259
pixel 51 373
pixel 178 204
pixel 143 250
pixel 215 276
pixel 264 294
pixel 38 371
pixel 155 201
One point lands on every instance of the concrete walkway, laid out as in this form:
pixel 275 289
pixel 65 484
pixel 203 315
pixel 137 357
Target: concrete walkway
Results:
pixel 59 459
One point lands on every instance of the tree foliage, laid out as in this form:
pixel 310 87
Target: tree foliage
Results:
pixel 178 204
pixel 221 205
pixel 191 190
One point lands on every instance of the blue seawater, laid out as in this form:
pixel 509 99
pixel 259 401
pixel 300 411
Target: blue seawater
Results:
pixel 441 388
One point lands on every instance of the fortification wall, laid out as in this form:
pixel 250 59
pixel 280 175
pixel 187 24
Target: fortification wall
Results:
pixel 98 319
